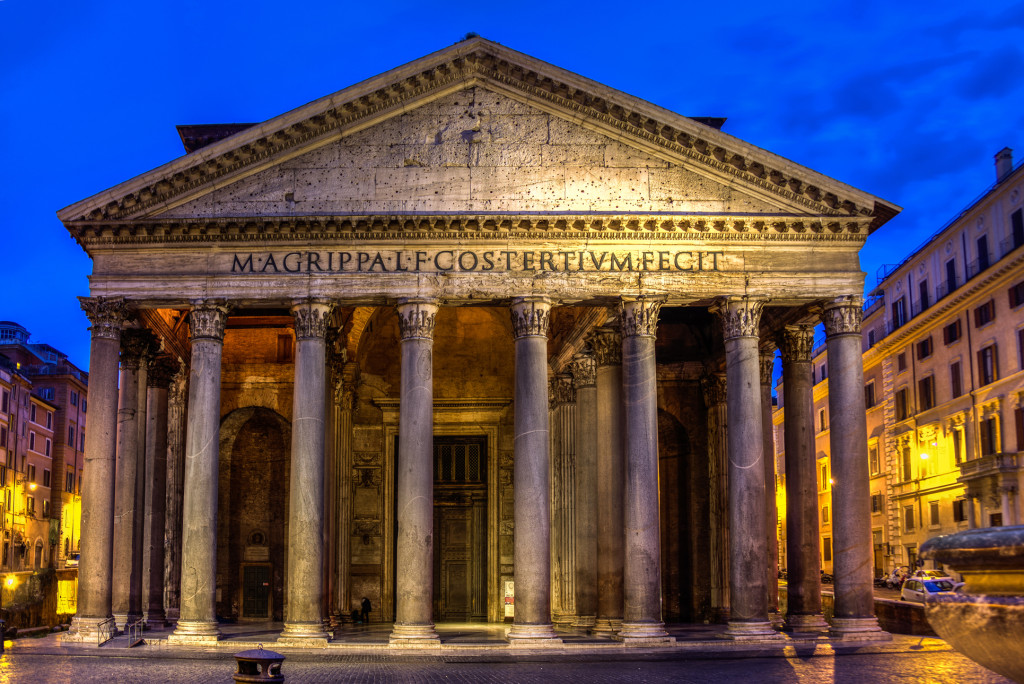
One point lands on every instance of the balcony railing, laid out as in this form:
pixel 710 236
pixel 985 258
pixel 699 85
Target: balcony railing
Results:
pixel 990 464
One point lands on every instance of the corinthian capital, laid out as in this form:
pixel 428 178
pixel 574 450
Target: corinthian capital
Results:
pixel 639 315
pixel 208 318
pixel 160 371
pixel 562 388
pixel 584 370
pixel 106 314
pixel 843 316
pixel 767 365
pixel 136 345
pixel 796 342
pixel 607 345
pixel 416 319
pixel 531 316
pixel 311 319
pixel 740 316
pixel 713 385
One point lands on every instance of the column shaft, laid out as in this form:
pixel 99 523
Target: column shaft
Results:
pixel 158 378
pixel 584 369
pixel 305 585
pixel 93 622
pixel 803 576
pixel 531 477
pixel 851 493
pixel 748 553
pixel 607 343
pixel 770 512
pixel 198 617
pixel 176 412
pixel 415 477
pixel 642 570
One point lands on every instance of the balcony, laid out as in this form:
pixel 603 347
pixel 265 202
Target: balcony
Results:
pixel 990 464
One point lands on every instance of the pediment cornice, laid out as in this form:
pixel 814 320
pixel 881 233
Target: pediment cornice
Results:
pixel 469 227
pixel 478 61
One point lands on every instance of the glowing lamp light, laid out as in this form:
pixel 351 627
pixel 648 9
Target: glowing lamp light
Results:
pixel 924 457
pixel 32 486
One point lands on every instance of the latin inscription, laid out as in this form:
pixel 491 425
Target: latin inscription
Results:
pixel 448 260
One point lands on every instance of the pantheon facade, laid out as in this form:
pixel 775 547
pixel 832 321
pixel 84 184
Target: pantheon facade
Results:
pixel 474 339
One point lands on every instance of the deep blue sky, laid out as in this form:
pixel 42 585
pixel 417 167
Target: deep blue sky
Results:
pixel 906 100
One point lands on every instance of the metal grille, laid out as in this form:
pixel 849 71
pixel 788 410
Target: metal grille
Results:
pixel 458 462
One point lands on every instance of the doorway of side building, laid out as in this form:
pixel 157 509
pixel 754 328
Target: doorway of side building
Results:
pixel 460 528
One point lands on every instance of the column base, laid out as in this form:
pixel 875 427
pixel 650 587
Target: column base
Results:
pixel 644 634
pixel 584 622
pixel 156 618
pixel 172 615
pixel 310 634
pixel 806 624
pixel 414 636
pixel 777 619
pixel 760 630
pixel 563 620
pixel 532 635
pixel 606 626
pixel 858 629
pixel 87 630
pixel 194 633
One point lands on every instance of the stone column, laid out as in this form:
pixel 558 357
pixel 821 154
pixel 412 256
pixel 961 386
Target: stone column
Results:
pixel 803 577
pixel 161 371
pixel 770 512
pixel 748 615
pixel 128 518
pixel 1004 500
pixel 641 622
pixel 198 620
pixel 562 417
pixel 971 521
pixel 851 494
pixel 584 371
pixel 714 386
pixel 93 622
pixel 304 620
pixel 531 476
pixel 414 493
pixel 607 345
pixel 176 394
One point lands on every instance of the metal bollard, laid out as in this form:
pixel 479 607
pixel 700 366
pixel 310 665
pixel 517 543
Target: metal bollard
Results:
pixel 259 665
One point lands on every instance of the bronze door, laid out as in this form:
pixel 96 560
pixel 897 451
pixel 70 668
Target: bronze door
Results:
pixel 256 591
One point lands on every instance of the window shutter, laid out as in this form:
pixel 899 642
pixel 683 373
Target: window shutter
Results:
pixel 1019 419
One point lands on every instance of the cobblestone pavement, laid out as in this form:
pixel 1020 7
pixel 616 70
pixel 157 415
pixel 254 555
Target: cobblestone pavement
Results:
pixel 903 665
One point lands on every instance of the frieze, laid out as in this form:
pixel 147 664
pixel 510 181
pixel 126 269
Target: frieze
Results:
pixel 311 320
pixel 740 316
pixel 416 319
pixel 531 316
pixel 107 316
pixel 207 320
pixel 843 316
pixel 332 119
pixel 796 342
pixel 607 345
pixel 639 316
pixel 584 370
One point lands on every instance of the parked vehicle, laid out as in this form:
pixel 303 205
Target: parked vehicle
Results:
pixel 931 574
pixel 917 589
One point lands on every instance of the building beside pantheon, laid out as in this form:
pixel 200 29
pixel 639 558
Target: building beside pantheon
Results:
pixel 476 339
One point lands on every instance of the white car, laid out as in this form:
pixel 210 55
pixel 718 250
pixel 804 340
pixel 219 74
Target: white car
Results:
pixel 916 589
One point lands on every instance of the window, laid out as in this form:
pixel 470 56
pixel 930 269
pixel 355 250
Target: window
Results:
pixel 1020 348
pixel 873 462
pixel 5 402
pixel 49 419
pixel 826 550
pixel 74 398
pixel 899 313
pixel 824 477
pixel 985 314
pixel 950 275
pixel 959 510
pixel 956 379
pixel 3 479
pixel 989 433
pixel 32 440
pixel 81 444
pixel 824 515
pixel 71 436
pixel 871 338
pixel 32 413
pixel 30 505
pixel 284 348
pixel 907 474
pixel 83 404
pixel 1017 295
pixel 47 449
pixel 924 348
pixel 957 438
pixel 933 513
pixel 951 333
pixel 901 362
pixel 922 289
pixel 869 394
pixel 902 409
pixel 926 393
pixel 908 518
pixel 1018 418
pixel 46 393
pixel 821 419
pixel 1017 223
pixel 822 372
pixel 46 478
pixel 987 364
pixel 3 437
pixel 877 503
pixel 69 482
pixel 983 257
pixel 46 508
pixel 31 473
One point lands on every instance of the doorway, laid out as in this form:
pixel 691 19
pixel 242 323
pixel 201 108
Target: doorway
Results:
pixel 256 594
pixel 460 528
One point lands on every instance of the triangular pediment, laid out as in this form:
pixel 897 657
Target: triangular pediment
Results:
pixel 478 128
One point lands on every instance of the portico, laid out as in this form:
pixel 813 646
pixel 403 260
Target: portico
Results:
pixel 369 298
